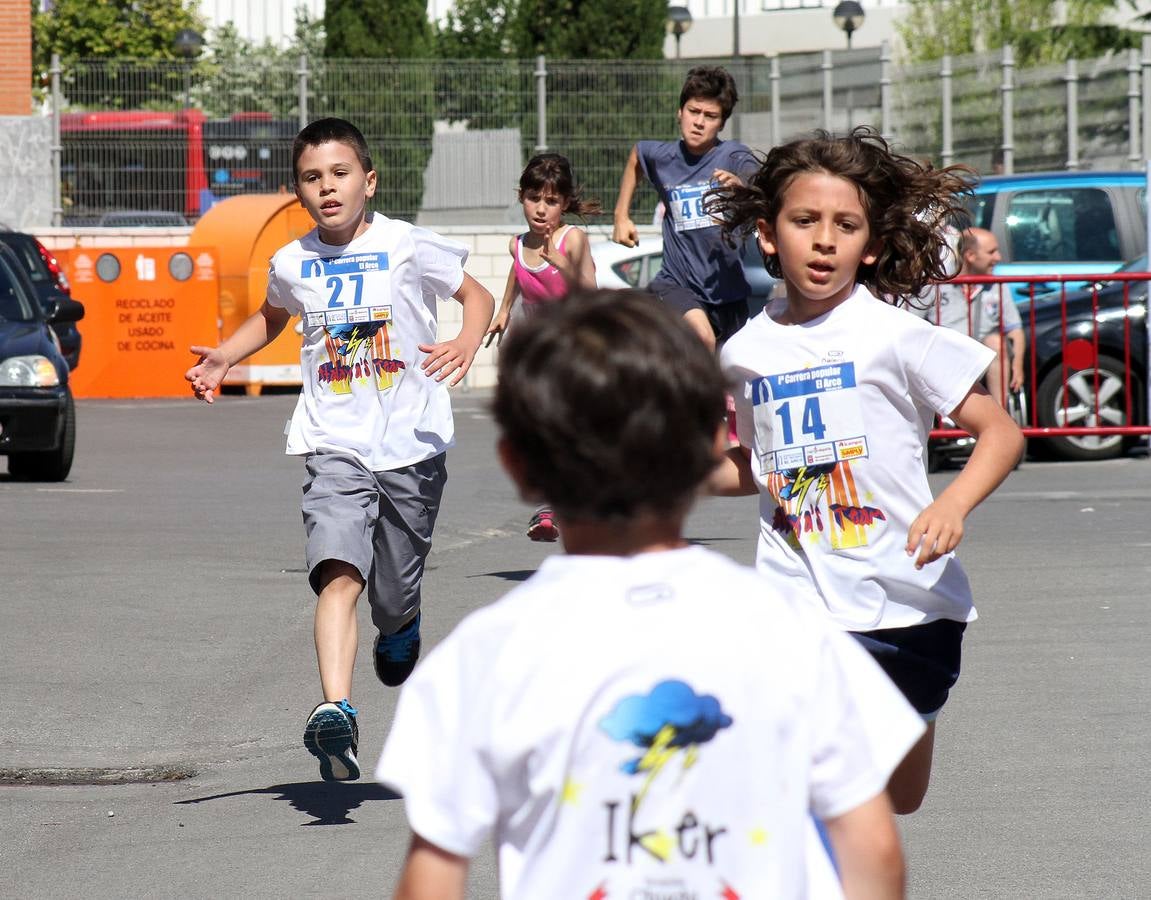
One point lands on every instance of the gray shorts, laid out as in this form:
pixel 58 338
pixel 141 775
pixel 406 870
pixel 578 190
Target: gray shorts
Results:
pixel 379 522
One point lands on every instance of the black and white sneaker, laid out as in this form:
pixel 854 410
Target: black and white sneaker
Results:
pixel 333 737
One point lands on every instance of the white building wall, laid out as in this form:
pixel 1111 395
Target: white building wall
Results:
pixel 260 20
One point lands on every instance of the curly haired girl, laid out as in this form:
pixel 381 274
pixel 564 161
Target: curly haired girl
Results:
pixel 835 391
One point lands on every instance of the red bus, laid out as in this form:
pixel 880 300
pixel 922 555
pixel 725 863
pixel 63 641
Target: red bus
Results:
pixel 180 162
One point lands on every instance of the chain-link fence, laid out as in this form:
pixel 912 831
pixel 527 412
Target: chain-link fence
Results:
pixel 449 138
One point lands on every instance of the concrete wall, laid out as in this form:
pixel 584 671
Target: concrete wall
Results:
pixel 488 262
pixel 25 181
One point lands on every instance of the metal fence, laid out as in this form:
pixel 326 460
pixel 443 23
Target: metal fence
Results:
pixel 174 137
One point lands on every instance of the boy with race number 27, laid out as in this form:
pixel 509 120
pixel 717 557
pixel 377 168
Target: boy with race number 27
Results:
pixel 373 420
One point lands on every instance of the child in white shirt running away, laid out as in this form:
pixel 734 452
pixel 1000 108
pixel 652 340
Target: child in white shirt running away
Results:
pixel 549 261
pixel 835 393
pixel 639 759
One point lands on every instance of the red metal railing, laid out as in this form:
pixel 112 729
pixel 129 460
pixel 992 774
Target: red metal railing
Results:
pixel 1076 352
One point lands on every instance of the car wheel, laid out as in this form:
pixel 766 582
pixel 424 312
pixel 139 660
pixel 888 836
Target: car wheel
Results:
pixel 49 465
pixel 1080 412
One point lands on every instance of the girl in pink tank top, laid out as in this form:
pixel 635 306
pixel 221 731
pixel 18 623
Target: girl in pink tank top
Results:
pixel 549 261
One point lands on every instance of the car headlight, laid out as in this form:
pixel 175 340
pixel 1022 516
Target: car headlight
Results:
pixel 28 371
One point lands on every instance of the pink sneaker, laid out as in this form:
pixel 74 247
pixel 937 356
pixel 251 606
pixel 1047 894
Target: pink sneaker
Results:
pixel 542 527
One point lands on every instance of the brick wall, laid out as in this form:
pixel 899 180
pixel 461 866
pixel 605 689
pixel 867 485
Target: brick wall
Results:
pixel 15 58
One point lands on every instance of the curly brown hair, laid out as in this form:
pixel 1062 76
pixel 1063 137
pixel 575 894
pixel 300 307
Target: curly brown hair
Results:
pixel 908 204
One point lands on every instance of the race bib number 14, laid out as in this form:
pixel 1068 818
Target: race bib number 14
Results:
pixel 808 417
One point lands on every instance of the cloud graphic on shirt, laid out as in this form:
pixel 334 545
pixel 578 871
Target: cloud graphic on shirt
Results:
pixel 672 717
pixel 673 720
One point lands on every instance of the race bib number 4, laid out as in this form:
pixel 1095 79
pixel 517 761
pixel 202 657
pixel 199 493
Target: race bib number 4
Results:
pixel 687 206
pixel 808 417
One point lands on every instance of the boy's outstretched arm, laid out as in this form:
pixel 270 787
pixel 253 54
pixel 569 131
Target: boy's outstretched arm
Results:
pixel 431 873
pixel 998 446
pixel 623 228
pixel 868 852
pixel 455 357
pixel 257 331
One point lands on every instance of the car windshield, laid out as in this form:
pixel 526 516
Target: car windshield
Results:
pixel 14 305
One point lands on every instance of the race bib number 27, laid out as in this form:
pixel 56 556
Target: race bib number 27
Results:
pixel 808 417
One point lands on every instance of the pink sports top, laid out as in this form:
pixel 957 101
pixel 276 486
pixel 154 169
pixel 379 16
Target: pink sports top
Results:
pixel 544 283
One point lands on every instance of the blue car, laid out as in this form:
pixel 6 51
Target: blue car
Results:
pixel 37 414
pixel 1062 223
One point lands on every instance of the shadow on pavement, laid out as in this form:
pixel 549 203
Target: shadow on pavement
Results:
pixel 514 575
pixel 327 803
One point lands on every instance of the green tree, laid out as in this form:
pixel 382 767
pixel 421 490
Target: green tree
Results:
pixel 476 29
pixel 1039 30
pixel 377 29
pixel 392 103
pixel 591 29
pixel 110 29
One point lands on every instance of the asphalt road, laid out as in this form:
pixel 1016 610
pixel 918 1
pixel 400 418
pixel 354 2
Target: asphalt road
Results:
pixel 156 636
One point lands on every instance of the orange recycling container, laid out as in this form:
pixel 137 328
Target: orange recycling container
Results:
pixel 246 230
pixel 144 306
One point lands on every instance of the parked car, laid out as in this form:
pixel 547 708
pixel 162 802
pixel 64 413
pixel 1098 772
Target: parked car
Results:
pixel 1062 223
pixel 142 218
pixel 51 286
pixel 1092 377
pixel 618 266
pixel 37 414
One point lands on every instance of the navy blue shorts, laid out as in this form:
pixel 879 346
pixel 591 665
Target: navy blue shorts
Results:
pixel 922 660
pixel 725 318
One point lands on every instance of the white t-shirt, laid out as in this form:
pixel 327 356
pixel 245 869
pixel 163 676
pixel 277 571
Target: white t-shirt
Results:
pixel 659 723
pixel 365 307
pixel 836 413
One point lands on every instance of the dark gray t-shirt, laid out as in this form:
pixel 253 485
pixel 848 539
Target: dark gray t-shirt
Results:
pixel 695 255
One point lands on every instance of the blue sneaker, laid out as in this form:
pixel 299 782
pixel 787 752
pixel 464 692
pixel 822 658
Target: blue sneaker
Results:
pixel 396 654
pixel 333 737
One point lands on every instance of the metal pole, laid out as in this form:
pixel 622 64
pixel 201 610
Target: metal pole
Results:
pixel 776 124
pixel 541 103
pixel 826 67
pixel 302 74
pixel 947 151
pixel 1134 155
pixel 735 30
pixel 1007 89
pixel 1146 63
pixel 1072 79
pixel 57 149
pixel 886 126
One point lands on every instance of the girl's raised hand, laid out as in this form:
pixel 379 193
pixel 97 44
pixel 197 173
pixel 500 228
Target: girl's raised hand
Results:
pixel 554 257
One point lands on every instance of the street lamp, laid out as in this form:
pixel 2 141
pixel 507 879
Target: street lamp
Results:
pixel 848 17
pixel 187 44
pixel 678 23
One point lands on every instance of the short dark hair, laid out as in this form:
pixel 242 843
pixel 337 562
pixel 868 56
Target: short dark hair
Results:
pixel 323 131
pixel 908 204
pixel 710 83
pixel 612 404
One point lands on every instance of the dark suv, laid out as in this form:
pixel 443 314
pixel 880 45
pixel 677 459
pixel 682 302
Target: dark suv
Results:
pixel 51 287
pixel 37 415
